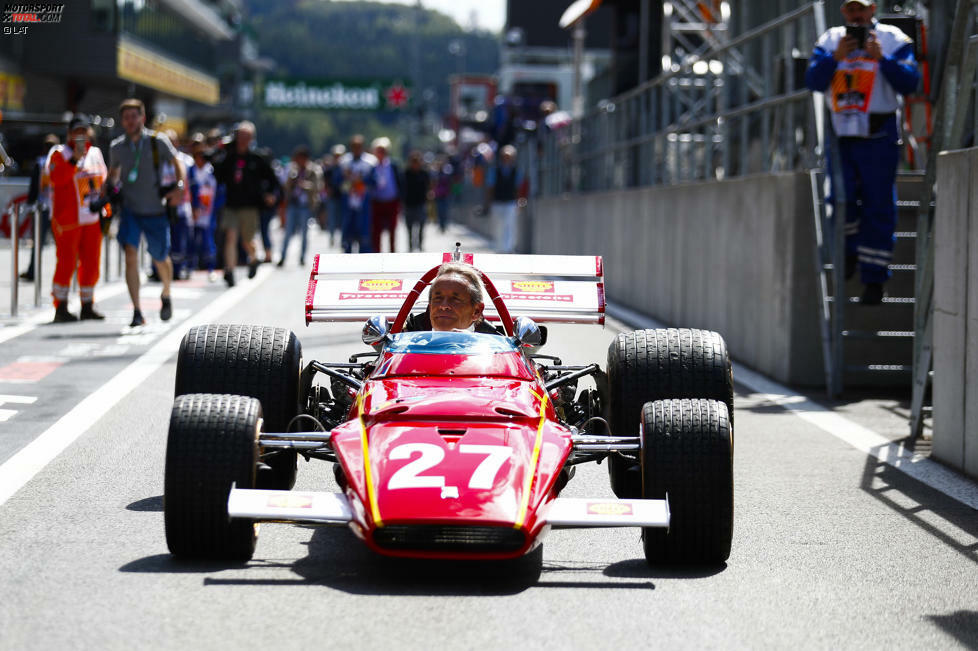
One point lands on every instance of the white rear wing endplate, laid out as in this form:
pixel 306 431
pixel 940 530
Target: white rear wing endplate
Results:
pixel 545 288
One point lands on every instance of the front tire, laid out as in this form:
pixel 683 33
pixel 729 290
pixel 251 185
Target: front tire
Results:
pixel 687 454
pixel 212 445
pixel 648 365
pixel 257 361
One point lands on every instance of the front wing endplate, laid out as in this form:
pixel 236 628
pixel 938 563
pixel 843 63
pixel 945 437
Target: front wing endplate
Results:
pixel 580 512
pixel 298 506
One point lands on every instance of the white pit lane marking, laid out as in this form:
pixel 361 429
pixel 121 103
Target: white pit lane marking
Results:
pixel 25 464
pixel 863 439
pixel 21 400
pixel 7 414
pixel 924 470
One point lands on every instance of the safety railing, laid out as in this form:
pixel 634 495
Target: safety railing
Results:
pixel 737 108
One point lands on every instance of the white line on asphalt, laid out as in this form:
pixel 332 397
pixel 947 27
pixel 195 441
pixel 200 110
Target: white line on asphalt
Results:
pixel 862 438
pixel 22 400
pixel 23 466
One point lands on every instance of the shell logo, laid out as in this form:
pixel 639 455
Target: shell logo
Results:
pixel 609 508
pixel 533 286
pixel 290 502
pixel 381 285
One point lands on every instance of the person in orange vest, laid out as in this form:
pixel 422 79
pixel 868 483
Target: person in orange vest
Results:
pixel 76 171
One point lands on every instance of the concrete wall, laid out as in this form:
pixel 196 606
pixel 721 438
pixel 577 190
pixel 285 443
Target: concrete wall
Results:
pixel 735 256
pixel 956 311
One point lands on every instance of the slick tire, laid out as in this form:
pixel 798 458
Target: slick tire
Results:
pixel 687 454
pixel 212 444
pixel 257 361
pixel 648 365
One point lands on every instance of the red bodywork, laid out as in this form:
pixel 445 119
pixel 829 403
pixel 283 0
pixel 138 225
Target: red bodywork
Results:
pixel 439 441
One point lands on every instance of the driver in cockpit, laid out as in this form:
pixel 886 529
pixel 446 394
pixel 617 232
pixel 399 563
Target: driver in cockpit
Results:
pixel 455 302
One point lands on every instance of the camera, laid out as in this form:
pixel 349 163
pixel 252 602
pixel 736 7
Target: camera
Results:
pixel 113 195
pixel 171 211
pixel 859 32
pixel 167 189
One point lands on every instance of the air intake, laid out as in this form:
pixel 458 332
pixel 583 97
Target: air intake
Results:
pixel 441 538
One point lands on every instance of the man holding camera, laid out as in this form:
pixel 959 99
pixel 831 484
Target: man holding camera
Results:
pixel 76 171
pixel 863 68
pixel 135 161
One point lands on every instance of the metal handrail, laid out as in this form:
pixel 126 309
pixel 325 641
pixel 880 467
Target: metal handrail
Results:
pixel 736 113
pixel 628 141
pixel 749 35
pixel 14 260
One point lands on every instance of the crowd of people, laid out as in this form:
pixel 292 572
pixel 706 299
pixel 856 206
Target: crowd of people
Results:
pixel 200 202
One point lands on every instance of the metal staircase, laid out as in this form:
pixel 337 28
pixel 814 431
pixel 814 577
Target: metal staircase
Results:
pixel 866 345
pixel 890 344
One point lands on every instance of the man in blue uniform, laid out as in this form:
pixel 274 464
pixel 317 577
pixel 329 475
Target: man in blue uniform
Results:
pixel 863 68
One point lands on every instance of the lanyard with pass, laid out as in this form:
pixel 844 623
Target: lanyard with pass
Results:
pixel 134 172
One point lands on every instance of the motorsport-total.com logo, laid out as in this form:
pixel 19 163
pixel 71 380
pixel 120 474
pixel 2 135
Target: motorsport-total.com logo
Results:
pixel 18 16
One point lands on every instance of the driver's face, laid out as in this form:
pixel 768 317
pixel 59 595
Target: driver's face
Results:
pixel 451 306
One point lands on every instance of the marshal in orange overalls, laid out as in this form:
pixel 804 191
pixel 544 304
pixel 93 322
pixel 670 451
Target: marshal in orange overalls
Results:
pixel 77 234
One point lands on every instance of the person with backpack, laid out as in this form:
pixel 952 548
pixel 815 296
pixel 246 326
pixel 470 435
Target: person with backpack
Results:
pixel 135 160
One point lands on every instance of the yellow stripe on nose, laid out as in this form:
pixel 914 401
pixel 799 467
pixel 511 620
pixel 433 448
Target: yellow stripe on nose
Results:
pixel 525 504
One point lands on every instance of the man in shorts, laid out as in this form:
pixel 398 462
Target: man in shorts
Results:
pixel 135 161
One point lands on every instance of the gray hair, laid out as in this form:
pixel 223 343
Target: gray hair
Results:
pixel 465 274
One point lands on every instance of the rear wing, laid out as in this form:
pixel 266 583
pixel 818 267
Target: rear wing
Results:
pixel 545 288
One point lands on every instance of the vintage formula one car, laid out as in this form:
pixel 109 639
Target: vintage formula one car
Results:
pixel 451 444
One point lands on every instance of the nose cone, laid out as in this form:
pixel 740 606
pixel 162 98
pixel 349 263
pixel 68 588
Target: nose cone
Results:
pixel 481 475
pixel 455 472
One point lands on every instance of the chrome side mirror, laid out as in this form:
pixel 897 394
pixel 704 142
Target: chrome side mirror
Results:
pixel 527 333
pixel 375 331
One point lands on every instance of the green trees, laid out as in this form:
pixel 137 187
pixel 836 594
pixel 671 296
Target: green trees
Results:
pixel 325 39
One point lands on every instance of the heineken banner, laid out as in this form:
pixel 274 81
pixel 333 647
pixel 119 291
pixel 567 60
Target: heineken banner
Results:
pixel 335 94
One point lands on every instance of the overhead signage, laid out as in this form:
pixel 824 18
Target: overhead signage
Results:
pixel 12 90
pixel 135 63
pixel 335 94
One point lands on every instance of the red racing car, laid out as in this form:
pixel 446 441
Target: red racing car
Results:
pixel 451 444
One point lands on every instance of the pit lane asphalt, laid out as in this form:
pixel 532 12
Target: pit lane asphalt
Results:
pixel 831 547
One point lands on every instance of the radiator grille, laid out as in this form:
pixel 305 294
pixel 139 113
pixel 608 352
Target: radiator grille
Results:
pixel 449 538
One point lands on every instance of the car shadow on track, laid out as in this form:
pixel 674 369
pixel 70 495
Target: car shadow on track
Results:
pixel 337 559
pixel 562 573
pixel 167 564
pixel 154 503
pixel 640 569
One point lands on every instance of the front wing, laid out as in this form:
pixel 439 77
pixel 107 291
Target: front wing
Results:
pixel 334 508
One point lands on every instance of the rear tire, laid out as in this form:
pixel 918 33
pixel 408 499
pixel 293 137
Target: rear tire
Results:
pixel 257 361
pixel 647 365
pixel 212 444
pixel 687 454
